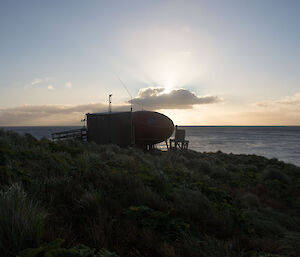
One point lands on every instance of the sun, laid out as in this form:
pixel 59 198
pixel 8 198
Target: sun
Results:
pixel 167 90
pixel 168 85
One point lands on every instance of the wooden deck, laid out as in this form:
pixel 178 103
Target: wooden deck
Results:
pixel 74 134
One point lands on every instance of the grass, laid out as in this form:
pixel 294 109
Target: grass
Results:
pixel 22 222
pixel 82 199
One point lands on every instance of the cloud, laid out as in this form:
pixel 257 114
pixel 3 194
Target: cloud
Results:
pixel 29 115
pixel 282 111
pixel 33 83
pixel 287 102
pixel 290 100
pixel 149 98
pixel 39 82
pixel 155 99
pixel 36 81
pixel 68 85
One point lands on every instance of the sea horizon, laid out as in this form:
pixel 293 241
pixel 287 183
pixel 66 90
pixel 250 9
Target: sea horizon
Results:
pixel 267 126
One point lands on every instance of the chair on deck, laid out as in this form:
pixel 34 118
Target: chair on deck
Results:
pixel 179 140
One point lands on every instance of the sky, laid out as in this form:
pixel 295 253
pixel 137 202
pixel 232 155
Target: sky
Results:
pixel 199 62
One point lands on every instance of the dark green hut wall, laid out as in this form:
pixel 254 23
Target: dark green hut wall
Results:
pixel 113 128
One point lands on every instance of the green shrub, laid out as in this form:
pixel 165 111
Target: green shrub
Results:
pixel 213 247
pixel 196 208
pixel 250 200
pixel 290 244
pixel 271 173
pixel 54 249
pixel 261 224
pixel 221 174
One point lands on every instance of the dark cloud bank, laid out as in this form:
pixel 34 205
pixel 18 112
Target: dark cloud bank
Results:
pixel 148 99
pixel 51 114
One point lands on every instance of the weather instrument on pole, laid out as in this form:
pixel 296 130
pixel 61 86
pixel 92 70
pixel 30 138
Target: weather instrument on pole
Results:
pixel 109 103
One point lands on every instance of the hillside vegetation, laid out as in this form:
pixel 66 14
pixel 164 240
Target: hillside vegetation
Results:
pixel 82 199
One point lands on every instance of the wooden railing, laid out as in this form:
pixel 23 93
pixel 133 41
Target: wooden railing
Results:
pixel 74 134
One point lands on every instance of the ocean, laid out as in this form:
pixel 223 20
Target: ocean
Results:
pixel 282 143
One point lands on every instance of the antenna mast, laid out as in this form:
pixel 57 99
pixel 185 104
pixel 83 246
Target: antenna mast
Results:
pixel 123 84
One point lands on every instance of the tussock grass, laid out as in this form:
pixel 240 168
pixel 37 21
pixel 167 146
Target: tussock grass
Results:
pixel 22 222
